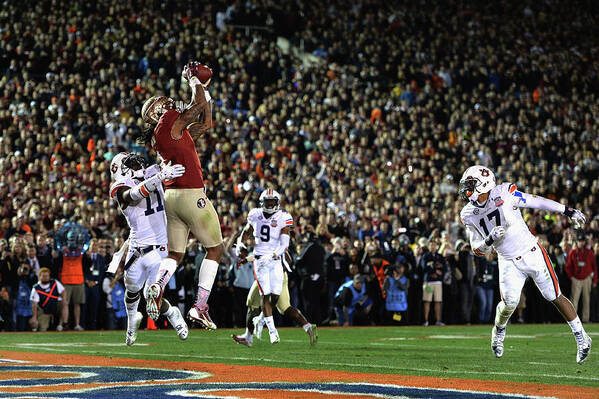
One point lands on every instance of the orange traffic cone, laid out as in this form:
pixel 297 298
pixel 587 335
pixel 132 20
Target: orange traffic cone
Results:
pixel 151 325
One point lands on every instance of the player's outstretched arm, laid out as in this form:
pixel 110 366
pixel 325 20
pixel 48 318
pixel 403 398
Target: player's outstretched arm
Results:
pixel 197 117
pixel 525 200
pixel 132 195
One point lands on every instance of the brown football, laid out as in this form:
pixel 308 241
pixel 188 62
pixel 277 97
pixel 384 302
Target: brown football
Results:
pixel 203 73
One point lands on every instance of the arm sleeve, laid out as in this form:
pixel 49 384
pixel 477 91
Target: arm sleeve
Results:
pixel 283 244
pixel 525 200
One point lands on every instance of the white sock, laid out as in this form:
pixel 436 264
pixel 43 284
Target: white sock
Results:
pixel 170 312
pixel 502 316
pixel 208 270
pixel 270 323
pixel 576 325
pixel 131 307
pixel 248 335
pixel 307 327
pixel 165 271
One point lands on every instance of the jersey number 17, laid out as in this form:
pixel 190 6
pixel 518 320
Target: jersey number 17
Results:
pixel 495 214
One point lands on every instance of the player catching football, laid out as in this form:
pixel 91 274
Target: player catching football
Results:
pixel 270 227
pixel 186 204
pixel 494 221
pixel 138 191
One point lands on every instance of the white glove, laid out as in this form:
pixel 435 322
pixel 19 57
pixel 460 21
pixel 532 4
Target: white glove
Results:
pixel 171 171
pixel 578 218
pixel 497 233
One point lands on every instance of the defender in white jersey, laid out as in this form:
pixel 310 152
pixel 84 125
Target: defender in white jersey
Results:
pixel 270 227
pixel 140 196
pixel 493 218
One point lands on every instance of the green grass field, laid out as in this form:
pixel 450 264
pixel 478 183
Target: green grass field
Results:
pixel 533 353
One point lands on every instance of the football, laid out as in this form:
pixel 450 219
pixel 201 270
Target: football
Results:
pixel 203 73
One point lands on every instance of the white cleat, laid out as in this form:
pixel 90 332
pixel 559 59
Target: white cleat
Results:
pixel 201 316
pixel 497 337
pixel 274 338
pixel 178 323
pixel 258 326
pixel 242 339
pixel 154 301
pixel 584 342
pixel 131 335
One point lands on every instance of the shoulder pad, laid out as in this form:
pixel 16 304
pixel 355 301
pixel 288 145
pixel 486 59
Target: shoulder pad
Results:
pixel 286 219
pixel 465 213
pixel 126 182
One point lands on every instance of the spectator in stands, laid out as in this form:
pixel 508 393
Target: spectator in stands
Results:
pixel 6 323
pixel 48 303
pixel 467 265
pixel 581 267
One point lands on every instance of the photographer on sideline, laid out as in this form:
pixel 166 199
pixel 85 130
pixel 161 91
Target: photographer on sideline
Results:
pixel 26 279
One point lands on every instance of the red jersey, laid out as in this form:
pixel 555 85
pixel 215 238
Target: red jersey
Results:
pixel 179 151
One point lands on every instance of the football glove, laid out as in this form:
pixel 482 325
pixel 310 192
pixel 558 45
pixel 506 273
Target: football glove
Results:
pixel 494 235
pixel 171 171
pixel 577 216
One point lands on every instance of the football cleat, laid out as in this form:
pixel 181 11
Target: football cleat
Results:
pixel 202 317
pixel 497 337
pixel 313 334
pixel 584 342
pixel 153 301
pixel 241 339
pixel 131 335
pixel 178 323
pixel 258 326
pixel 274 337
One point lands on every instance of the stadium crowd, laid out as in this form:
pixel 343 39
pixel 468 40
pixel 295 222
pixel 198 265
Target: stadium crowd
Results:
pixel 363 117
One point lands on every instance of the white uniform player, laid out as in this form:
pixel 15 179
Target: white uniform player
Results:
pixel 140 196
pixel 494 220
pixel 270 227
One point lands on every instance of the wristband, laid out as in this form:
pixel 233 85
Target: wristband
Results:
pixel 194 81
pixel 569 211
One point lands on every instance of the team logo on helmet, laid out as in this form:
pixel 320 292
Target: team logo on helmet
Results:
pixel 201 203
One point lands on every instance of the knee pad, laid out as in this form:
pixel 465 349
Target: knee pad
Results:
pixel 131 296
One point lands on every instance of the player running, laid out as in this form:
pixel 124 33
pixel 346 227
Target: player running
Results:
pixel 138 191
pixel 494 221
pixel 255 318
pixel 186 204
pixel 270 227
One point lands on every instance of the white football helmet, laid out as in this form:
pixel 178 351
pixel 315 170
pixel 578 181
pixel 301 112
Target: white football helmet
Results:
pixel 126 164
pixel 476 180
pixel 270 201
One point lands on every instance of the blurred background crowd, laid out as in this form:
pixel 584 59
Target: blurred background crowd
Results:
pixel 363 116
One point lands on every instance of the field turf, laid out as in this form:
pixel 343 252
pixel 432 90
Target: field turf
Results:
pixel 533 353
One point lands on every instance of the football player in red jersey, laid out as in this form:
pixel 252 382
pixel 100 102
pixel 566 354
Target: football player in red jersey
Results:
pixel 186 204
